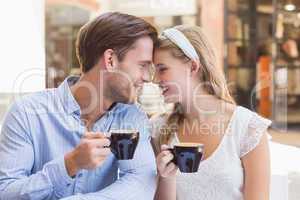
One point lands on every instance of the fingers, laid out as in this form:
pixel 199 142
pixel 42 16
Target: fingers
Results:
pixel 171 169
pixel 94 135
pixel 164 165
pixel 165 150
pixel 91 144
pixel 167 158
pixel 164 147
pixel 103 152
pixel 101 143
pixel 98 139
pixel 163 159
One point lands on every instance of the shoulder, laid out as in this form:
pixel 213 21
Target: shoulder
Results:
pixel 254 127
pixel 23 112
pixel 253 119
pixel 37 102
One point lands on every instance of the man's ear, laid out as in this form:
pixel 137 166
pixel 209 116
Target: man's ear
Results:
pixel 195 67
pixel 109 60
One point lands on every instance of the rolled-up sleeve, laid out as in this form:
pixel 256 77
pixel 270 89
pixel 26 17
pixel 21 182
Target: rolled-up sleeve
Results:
pixel 17 159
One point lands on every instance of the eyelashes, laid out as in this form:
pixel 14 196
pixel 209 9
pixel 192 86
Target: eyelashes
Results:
pixel 162 69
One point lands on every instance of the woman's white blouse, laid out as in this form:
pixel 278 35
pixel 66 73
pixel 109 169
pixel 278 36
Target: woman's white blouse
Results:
pixel 221 176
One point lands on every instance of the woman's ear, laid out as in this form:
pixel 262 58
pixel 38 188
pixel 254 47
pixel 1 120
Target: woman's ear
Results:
pixel 109 60
pixel 195 67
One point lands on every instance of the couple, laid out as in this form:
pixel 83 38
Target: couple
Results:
pixel 53 145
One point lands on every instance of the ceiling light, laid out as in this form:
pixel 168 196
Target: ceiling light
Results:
pixel 289 6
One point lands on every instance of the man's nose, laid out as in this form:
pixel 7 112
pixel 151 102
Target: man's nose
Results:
pixel 146 76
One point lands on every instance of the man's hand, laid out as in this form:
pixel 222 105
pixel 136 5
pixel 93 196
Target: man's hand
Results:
pixel 91 152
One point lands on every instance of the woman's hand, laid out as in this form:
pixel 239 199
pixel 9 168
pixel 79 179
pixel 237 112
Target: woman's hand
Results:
pixel 165 167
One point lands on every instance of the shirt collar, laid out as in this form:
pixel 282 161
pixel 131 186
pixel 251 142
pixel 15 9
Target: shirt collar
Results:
pixel 68 101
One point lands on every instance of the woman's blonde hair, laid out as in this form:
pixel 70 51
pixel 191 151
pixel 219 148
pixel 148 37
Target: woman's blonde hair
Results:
pixel 210 74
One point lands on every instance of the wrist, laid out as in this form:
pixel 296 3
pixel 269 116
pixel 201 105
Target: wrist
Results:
pixel 167 179
pixel 71 165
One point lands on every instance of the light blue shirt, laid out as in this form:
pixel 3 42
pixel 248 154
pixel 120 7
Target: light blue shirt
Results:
pixel 41 128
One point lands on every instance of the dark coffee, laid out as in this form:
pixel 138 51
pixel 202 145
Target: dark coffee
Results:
pixel 187 156
pixel 124 143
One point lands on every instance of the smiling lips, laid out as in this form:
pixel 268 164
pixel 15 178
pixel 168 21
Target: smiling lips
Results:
pixel 163 88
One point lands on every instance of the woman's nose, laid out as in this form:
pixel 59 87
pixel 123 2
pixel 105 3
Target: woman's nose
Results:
pixel 155 78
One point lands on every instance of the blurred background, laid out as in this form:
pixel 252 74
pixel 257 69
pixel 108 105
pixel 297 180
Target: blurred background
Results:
pixel 257 43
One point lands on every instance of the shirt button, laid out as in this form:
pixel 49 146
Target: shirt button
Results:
pixel 68 184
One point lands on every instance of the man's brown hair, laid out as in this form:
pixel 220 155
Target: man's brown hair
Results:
pixel 112 30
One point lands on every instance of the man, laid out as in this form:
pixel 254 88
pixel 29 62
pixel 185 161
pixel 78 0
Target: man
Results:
pixel 53 144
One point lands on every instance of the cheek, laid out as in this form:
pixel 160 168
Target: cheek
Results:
pixel 175 76
pixel 121 80
pixel 130 72
pixel 179 83
pixel 167 76
pixel 135 71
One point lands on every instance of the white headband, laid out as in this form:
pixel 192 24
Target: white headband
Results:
pixel 179 39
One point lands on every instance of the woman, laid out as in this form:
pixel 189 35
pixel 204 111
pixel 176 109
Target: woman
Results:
pixel 236 154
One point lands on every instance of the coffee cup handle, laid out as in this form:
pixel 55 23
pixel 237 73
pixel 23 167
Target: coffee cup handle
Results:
pixel 110 146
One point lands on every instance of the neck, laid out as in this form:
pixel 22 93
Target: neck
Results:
pixel 90 98
pixel 202 108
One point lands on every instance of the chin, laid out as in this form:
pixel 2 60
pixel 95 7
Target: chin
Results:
pixel 169 98
pixel 126 99
pixel 121 94
pixel 131 99
pixel 134 95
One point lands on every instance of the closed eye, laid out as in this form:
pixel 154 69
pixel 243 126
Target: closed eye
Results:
pixel 145 64
pixel 161 68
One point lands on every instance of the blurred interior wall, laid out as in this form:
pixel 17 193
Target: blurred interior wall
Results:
pixel 22 50
pixel 212 22
pixel 22 46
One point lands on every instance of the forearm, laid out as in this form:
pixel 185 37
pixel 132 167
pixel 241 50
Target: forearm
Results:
pixel 257 172
pixel 27 188
pixel 129 187
pixel 257 188
pixel 166 189
pixel 256 193
pixel 50 183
